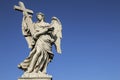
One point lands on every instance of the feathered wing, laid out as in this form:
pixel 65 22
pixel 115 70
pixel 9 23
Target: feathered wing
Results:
pixel 57 33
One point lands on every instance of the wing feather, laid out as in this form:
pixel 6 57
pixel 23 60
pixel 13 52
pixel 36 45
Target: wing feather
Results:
pixel 57 32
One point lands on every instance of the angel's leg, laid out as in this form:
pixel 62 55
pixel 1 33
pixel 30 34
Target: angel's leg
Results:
pixel 33 62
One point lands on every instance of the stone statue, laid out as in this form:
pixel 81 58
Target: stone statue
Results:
pixel 40 37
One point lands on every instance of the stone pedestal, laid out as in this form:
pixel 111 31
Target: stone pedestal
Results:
pixel 36 78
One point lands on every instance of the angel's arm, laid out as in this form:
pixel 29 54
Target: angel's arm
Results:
pixel 39 32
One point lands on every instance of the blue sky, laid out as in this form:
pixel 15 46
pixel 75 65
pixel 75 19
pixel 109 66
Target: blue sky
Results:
pixel 90 44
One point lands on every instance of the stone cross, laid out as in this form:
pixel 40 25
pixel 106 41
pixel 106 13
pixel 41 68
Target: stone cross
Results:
pixel 25 11
pixel 22 8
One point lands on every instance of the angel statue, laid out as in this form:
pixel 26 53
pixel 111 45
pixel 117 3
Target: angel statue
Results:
pixel 40 36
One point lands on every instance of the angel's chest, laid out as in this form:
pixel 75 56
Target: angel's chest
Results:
pixel 40 25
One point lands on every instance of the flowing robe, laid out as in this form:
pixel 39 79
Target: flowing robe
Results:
pixel 41 54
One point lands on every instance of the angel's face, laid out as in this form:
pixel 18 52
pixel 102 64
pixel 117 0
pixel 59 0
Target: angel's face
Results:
pixel 40 17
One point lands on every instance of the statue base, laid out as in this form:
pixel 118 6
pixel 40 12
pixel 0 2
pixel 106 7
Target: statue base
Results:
pixel 36 78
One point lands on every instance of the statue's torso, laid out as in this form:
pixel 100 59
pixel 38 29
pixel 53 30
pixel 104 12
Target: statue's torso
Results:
pixel 45 37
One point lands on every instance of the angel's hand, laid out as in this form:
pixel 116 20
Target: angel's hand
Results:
pixel 24 13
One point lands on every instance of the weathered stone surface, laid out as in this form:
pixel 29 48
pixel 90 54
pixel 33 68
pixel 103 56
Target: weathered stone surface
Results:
pixel 36 78
pixel 40 36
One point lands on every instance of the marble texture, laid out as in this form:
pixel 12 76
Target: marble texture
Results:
pixel 40 36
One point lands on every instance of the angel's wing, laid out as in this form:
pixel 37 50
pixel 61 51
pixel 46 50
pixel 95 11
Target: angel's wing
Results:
pixel 57 32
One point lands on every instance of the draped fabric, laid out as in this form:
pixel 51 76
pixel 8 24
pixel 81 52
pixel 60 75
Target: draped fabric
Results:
pixel 40 55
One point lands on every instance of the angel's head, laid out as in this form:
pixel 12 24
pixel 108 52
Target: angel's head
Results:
pixel 40 16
